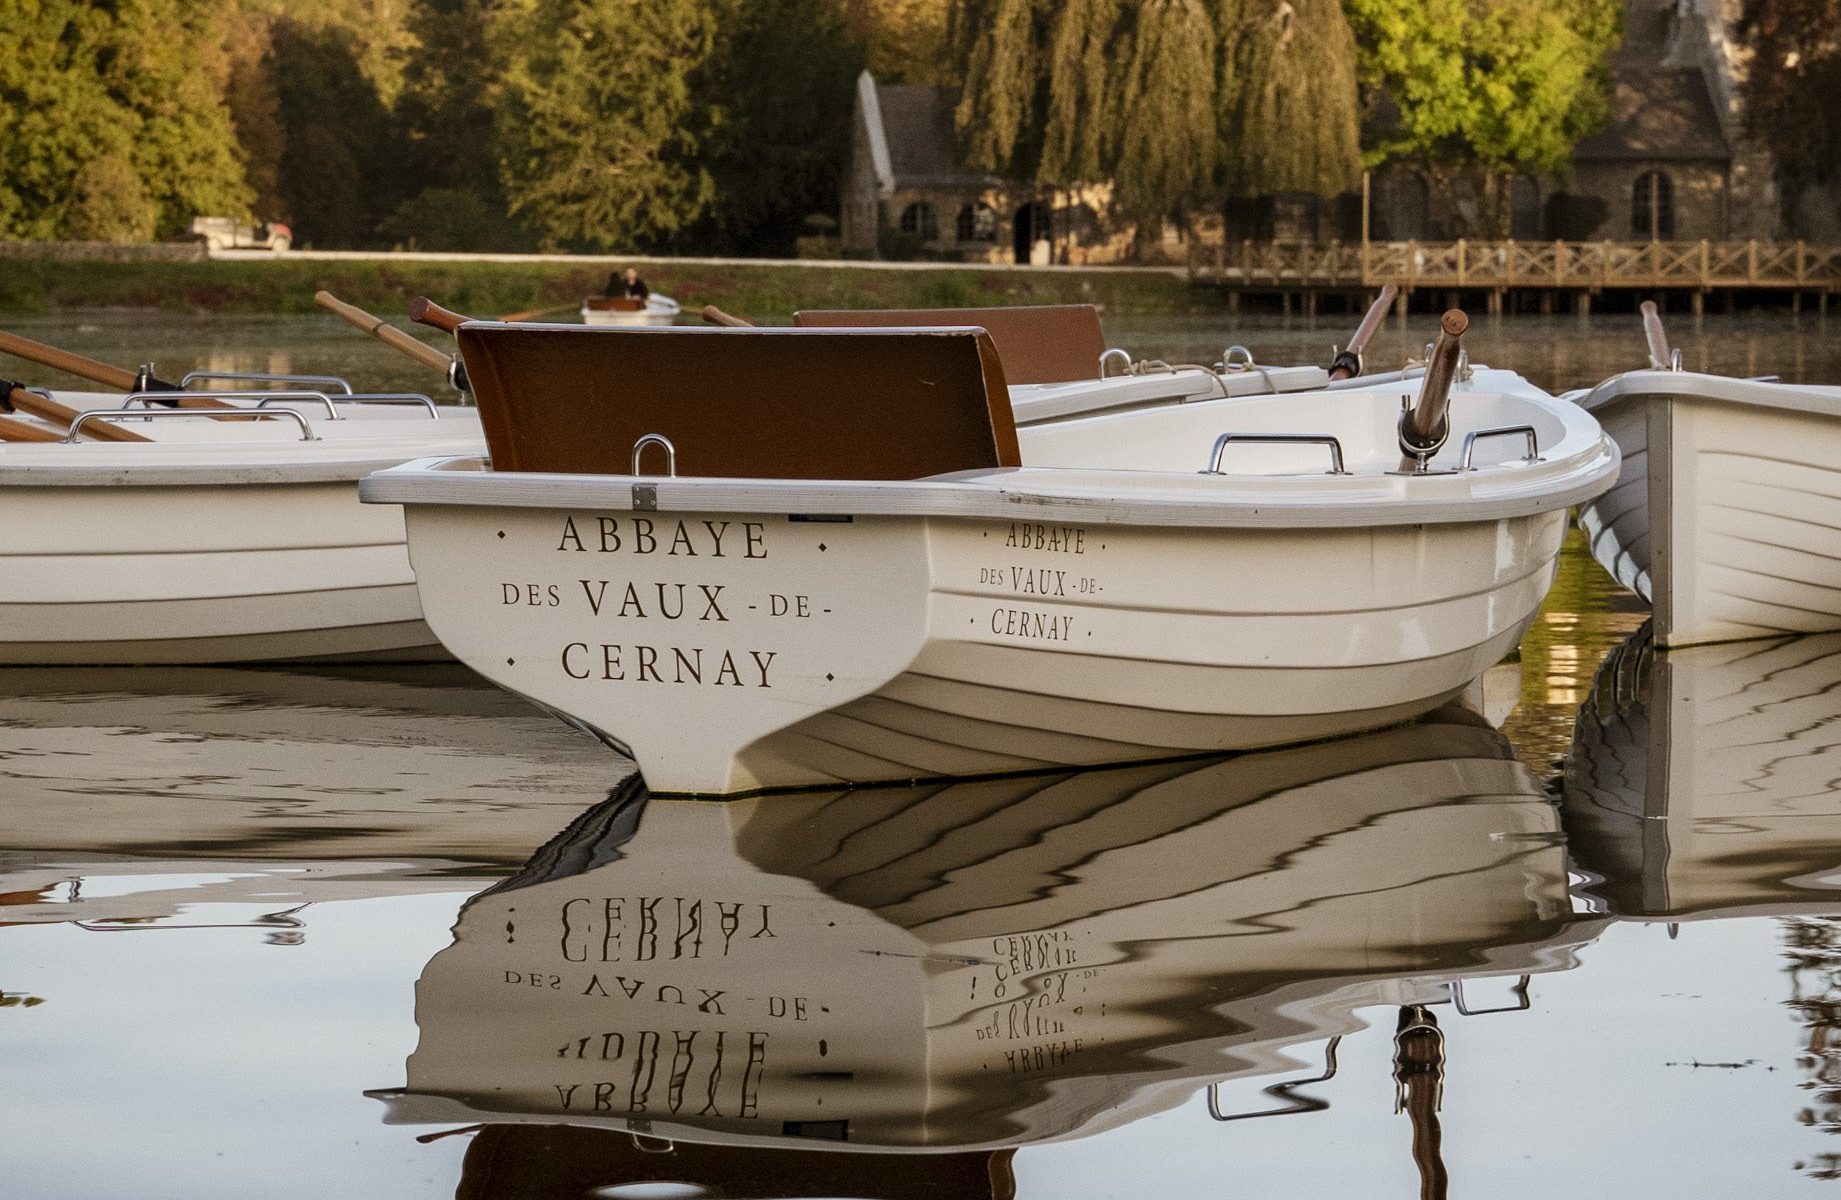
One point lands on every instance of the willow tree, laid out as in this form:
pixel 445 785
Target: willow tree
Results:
pixel 1079 106
pixel 1165 159
pixel 598 128
pixel 999 44
pixel 1289 106
pixel 1484 88
pixel 1793 90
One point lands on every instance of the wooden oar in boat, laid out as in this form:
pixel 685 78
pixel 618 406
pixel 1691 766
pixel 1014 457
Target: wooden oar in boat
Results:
pixel 99 372
pixel 1425 426
pixel 385 332
pixel 534 313
pixel 1348 361
pixel 19 399
pixel 1660 356
pixel 424 311
pixel 716 316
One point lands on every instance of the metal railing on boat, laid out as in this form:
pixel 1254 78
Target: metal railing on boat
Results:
pixel 190 377
pixel 97 415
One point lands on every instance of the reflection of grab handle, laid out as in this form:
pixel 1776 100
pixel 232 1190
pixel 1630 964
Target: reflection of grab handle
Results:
pixel 1284 1091
pixel 1520 991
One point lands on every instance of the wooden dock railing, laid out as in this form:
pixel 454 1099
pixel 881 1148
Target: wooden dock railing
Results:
pixel 1594 266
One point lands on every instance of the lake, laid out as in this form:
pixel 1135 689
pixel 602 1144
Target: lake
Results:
pixel 390 931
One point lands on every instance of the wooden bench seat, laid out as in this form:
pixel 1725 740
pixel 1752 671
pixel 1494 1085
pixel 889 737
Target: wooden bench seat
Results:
pixel 1046 343
pixel 741 403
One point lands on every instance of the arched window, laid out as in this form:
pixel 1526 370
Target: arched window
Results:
pixel 977 223
pixel 1652 207
pixel 918 218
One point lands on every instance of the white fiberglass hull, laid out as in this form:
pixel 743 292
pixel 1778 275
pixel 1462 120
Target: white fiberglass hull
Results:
pixel 219 542
pixel 1726 516
pixel 735 635
pixel 659 310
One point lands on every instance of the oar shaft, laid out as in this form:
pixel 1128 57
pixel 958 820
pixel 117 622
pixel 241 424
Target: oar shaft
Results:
pixel 1424 427
pixel 61 414
pixel 1348 362
pixel 1659 353
pixel 19 431
pixel 383 331
pixel 424 311
pixel 63 360
pixel 716 316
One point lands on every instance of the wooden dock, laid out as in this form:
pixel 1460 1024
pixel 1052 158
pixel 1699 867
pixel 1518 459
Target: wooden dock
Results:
pixel 1578 269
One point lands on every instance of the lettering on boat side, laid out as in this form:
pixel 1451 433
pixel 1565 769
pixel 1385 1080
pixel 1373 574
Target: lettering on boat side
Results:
pixel 1032 625
pixel 678 629
pixel 1054 539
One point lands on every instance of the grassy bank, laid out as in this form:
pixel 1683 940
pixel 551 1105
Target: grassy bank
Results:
pixel 765 291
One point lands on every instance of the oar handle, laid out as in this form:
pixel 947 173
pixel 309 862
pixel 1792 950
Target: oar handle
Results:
pixel 1348 362
pixel 716 316
pixel 60 414
pixel 63 360
pixel 1423 427
pixel 1659 353
pixel 424 311
pixel 383 331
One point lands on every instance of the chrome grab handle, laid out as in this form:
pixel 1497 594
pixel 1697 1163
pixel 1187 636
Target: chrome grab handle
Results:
pixel 1237 358
pixel 186 380
pixel 656 439
pixel 1284 1091
pixel 1275 439
pixel 163 414
pixel 1478 435
pixel 434 413
pixel 1111 356
pixel 262 398
pixel 1520 991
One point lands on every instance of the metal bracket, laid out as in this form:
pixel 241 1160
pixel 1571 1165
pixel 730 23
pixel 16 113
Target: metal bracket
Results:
pixel 1284 1091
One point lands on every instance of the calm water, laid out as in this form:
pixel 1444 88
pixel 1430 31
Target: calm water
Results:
pixel 376 931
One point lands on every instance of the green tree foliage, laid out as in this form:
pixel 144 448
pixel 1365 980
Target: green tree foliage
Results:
pixel 109 203
pixel 1793 88
pixel 1079 105
pixel 1289 106
pixel 84 82
pixel 598 129
pixel 999 42
pixel 1165 165
pixel 1475 89
pixel 782 73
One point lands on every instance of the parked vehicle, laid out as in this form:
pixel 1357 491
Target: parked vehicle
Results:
pixel 228 233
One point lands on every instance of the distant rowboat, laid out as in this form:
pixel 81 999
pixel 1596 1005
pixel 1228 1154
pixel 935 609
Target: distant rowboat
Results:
pixel 619 310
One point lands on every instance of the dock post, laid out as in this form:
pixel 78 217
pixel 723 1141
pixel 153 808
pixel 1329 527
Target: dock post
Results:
pixel 1699 301
pixel 1583 306
pixel 1546 302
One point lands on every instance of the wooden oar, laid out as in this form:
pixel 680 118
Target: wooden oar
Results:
pixel 19 431
pixel 424 311
pixel 1660 356
pixel 100 372
pixel 1348 361
pixel 384 332
pixel 18 398
pixel 716 316
pixel 1424 427
pixel 534 313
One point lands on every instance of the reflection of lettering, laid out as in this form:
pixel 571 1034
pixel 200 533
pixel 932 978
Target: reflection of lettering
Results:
pixel 674 539
pixel 1035 626
pixel 698 1057
pixel 1041 1058
pixel 598 930
pixel 1055 539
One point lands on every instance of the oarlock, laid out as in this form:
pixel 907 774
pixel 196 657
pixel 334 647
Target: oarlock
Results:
pixel 1426 424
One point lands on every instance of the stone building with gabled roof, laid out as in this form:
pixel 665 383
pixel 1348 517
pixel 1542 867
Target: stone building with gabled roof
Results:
pixel 907 194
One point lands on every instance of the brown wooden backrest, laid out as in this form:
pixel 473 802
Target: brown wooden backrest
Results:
pixel 1045 343
pixel 615 304
pixel 741 403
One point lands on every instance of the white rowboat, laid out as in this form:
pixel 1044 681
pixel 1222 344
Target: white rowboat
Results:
pixel 216 540
pixel 653 310
pixel 1139 588
pixel 1726 516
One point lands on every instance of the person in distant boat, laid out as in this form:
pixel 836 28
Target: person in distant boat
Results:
pixel 627 287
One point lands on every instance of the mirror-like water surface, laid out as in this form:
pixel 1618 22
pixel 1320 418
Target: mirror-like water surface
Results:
pixel 389 931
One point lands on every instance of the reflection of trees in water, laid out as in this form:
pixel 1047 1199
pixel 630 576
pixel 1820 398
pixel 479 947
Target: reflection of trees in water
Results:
pixel 1813 948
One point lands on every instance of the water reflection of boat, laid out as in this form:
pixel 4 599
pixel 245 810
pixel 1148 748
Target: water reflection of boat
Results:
pixel 1724 512
pixel 185 785
pixel 985 964
pixel 1704 781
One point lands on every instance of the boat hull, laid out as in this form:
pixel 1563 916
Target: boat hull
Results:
pixel 659 310
pixel 732 652
pixel 1726 515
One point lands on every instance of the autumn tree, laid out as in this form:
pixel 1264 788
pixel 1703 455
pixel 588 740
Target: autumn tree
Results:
pixel 597 126
pixel 1475 90
pixel 1289 110
pixel 1164 164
